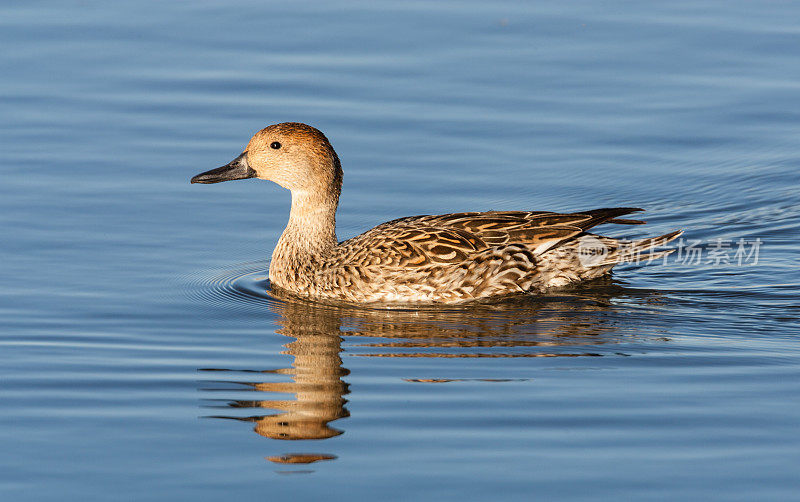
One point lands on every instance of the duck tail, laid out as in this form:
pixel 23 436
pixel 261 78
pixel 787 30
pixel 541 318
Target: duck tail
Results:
pixel 614 251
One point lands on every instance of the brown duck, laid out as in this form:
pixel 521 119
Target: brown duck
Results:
pixel 445 258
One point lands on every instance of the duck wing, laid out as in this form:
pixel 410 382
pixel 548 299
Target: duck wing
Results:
pixel 500 220
pixel 419 241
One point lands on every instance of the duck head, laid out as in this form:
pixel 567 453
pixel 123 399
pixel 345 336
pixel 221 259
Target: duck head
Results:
pixel 295 156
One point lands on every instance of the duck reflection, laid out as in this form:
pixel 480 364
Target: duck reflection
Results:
pixel 316 374
pixel 574 325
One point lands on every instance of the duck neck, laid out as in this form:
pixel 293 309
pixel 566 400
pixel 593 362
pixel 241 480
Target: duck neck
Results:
pixel 311 231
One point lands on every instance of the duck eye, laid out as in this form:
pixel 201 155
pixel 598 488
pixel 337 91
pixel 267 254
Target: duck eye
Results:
pixel 275 145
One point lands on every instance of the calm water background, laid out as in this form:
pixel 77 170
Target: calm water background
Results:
pixel 141 358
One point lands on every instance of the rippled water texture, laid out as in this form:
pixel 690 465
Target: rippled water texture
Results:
pixel 143 356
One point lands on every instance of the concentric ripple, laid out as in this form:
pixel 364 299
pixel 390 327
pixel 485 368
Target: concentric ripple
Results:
pixel 242 286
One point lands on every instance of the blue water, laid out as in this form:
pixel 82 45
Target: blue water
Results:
pixel 142 358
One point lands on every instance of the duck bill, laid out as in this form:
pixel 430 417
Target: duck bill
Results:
pixel 237 169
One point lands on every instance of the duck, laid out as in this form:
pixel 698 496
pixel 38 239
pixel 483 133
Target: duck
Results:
pixel 447 258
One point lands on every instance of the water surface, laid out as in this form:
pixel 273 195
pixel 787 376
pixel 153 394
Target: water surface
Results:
pixel 142 355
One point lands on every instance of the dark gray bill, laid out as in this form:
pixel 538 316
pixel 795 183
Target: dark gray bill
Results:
pixel 237 169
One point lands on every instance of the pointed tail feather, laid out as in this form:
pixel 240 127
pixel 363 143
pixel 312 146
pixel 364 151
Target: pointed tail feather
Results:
pixel 609 215
pixel 626 221
pixel 638 251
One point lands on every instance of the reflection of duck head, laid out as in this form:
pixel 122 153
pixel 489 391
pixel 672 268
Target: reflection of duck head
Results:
pixel 316 380
pixel 317 385
pixel 573 325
